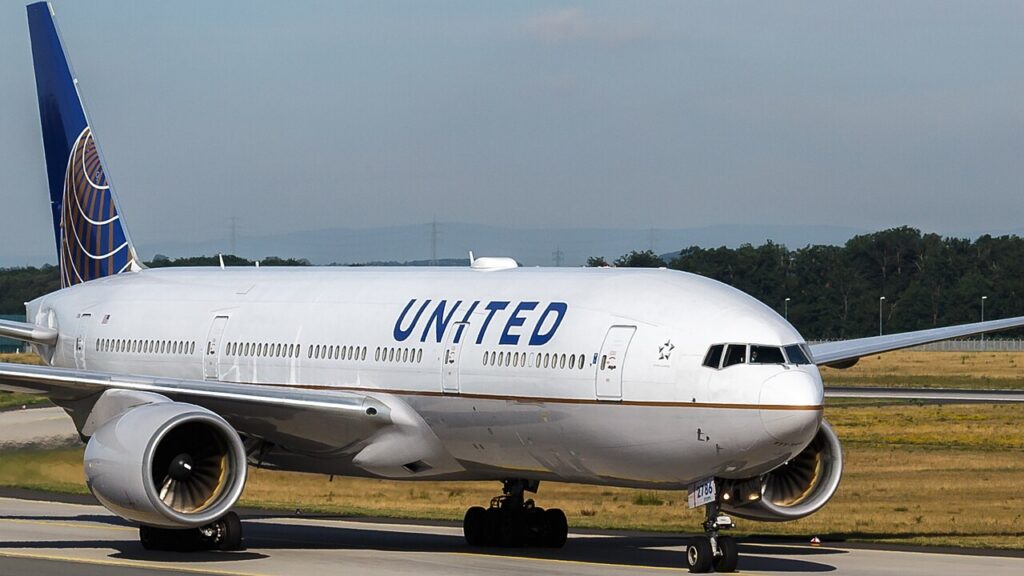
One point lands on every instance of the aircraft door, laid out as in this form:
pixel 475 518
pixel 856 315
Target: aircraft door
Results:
pixel 611 362
pixel 84 322
pixel 211 358
pixel 450 358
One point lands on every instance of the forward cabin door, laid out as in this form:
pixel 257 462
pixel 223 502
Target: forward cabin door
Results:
pixel 611 361
pixel 84 324
pixel 450 357
pixel 211 359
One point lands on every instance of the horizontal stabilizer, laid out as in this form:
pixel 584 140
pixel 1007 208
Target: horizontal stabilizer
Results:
pixel 28 333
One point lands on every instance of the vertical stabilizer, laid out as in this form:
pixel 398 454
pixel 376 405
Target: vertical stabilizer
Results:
pixel 92 241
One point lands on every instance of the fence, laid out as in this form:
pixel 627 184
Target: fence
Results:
pixel 965 345
pixel 8 346
pixel 987 345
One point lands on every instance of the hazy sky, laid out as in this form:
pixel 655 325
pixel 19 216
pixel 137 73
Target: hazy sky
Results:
pixel 304 115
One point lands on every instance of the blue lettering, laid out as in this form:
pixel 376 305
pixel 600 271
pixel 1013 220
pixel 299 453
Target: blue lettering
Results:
pixel 400 333
pixel 538 339
pixel 439 320
pixel 515 320
pixel 465 322
pixel 493 307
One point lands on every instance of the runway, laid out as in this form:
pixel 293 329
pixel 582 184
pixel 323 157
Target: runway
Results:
pixel 54 538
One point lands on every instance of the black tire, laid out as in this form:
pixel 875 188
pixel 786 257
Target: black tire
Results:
pixel 730 555
pixel 492 527
pixel 699 557
pixel 474 526
pixel 149 537
pixel 556 528
pixel 512 533
pixel 231 535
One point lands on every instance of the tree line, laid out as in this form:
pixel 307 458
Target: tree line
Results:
pixel 834 291
pixel 927 280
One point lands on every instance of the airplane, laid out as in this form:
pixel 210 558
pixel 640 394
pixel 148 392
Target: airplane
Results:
pixel 180 379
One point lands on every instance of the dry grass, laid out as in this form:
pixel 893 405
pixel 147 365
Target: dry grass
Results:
pixel 9 399
pixel 950 475
pixel 933 369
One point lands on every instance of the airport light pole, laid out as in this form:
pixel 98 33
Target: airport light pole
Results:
pixel 983 298
pixel 787 310
pixel 881 299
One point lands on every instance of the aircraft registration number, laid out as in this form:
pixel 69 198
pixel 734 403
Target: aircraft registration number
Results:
pixel 701 493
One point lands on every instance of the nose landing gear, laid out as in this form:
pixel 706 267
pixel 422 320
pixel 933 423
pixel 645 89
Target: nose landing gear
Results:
pixel 712 550
pixel 512 521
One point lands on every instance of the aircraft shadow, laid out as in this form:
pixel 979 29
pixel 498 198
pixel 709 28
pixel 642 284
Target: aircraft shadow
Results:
pixel 267 535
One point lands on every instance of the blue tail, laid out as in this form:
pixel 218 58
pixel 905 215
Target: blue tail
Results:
pixel 92 241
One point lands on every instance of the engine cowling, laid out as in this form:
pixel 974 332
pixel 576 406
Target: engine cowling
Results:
pixel 168 464
pixel 796 489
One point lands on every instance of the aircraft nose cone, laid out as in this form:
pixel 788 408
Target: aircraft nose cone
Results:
pixel 790 406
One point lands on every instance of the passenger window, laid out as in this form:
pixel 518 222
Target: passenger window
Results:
pixel 735 354
pixel 796 355
pixel 766 355
pixel 714 356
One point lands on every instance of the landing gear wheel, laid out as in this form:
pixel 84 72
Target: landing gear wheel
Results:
pixel 474 526
pixel 728 555
pixel 153 538
pixel 556 528
pixel 699 556
pixel 512 529
pixel 230 528
pixel 148 538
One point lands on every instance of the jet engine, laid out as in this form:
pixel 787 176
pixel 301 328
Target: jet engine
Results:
pixel 166 464
pixel 795 489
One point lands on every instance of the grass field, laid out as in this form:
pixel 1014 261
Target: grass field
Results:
pixel 9 400
pixel 921 474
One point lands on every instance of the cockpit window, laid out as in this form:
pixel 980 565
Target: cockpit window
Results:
pixel 735 354
pixel 714 357
pixel 766 355
pixel 796 355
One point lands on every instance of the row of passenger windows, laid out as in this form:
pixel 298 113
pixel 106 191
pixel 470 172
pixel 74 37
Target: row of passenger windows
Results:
pixel 725 355
pixel 406 355
pixel 179 347
pixel 277 350
pixel 324 352
pixel 261 350
pixel 546 360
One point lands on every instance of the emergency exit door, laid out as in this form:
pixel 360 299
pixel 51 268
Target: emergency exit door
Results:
pixel 211 359
pixel 450 358
pixel 611 360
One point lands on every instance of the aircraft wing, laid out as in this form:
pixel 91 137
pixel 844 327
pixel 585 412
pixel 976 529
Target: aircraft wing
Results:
pixel 374 429
pixel 28 332
pixel 845 353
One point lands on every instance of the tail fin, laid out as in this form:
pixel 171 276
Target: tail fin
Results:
pixel 92 241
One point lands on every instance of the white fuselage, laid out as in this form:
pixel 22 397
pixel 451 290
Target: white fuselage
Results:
pixel 585 375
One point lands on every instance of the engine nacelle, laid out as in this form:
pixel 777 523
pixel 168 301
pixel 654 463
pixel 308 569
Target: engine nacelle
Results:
pixel 166 464
pixel 796 489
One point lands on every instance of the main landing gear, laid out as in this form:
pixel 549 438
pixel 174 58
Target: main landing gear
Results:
pixel 224 534
pixel 513 521
pixel 712 550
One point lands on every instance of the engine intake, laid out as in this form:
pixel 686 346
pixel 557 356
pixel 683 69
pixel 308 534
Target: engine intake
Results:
pixel 166 464
pixel 796 489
